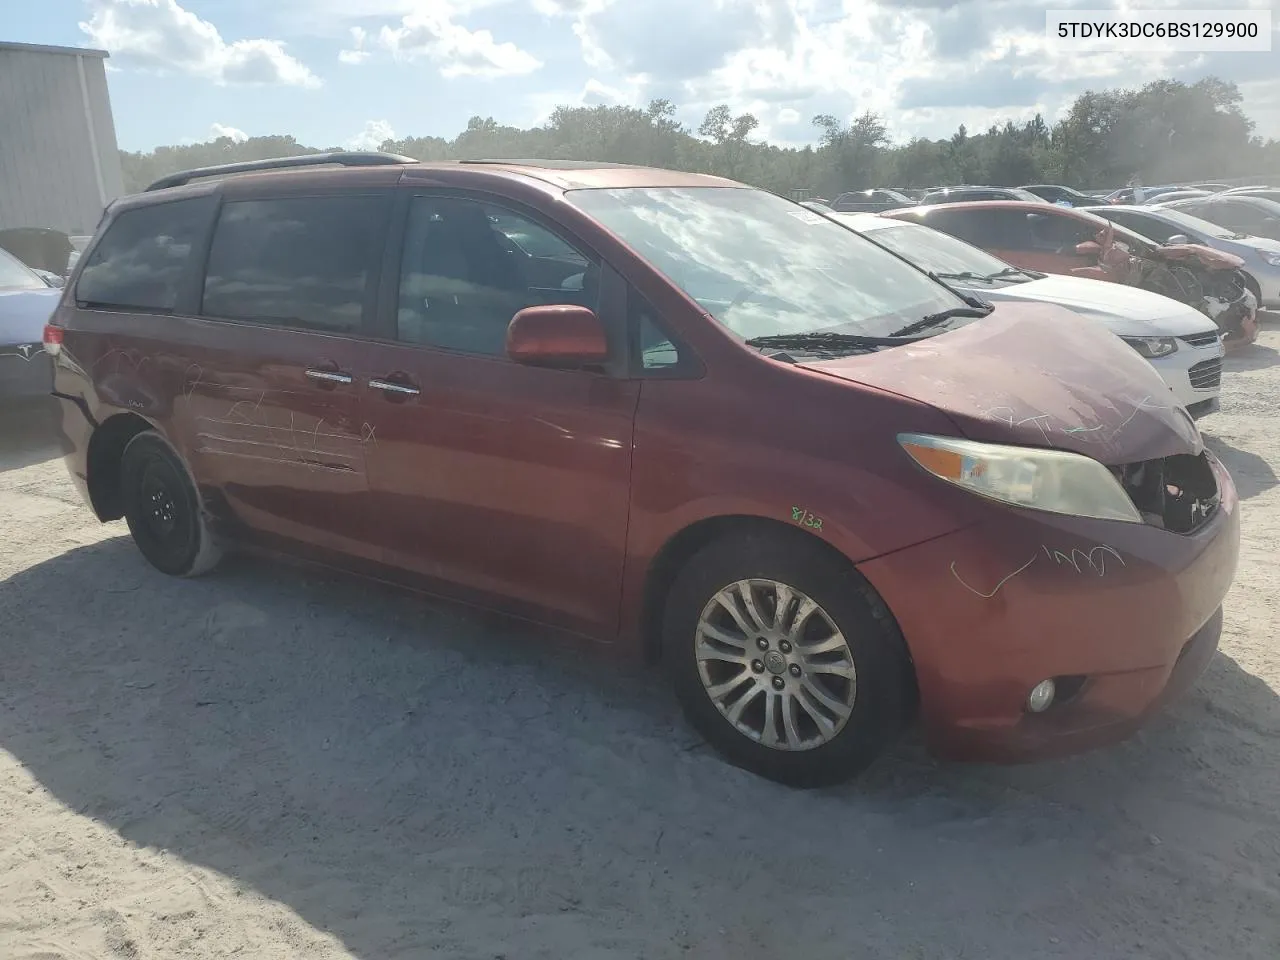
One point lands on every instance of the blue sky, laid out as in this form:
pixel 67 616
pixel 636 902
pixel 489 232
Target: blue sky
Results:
pixel 347 72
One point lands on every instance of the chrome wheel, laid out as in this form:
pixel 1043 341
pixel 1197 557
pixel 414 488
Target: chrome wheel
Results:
pixel 775 665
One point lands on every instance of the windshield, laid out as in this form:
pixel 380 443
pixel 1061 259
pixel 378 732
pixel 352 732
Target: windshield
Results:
pixel 14 275
pixel 939 252
pixel 1189 222
pixel 762 265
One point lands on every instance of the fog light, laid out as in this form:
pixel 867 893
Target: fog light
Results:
pixel 1041 696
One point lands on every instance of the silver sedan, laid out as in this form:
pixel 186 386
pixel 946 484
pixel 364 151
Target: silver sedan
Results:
pixel 1166 225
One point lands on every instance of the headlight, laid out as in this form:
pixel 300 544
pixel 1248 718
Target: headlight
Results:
pixel 1052 480
pixel 1152 347
pixel 1270 257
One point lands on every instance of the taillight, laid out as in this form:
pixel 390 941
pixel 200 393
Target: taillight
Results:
pixel 52 339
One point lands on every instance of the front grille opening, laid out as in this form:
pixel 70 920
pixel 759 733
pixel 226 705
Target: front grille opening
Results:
pixel 1177 493
pixel 1206 374
pixel 1206 339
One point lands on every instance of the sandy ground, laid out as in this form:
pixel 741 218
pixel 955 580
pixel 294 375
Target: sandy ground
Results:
pixel 271 763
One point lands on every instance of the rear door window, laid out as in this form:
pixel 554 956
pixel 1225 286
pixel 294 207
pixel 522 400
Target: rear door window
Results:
pixel 143 257
pixel 306 262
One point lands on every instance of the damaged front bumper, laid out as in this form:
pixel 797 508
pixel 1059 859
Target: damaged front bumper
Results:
pixel 1123 617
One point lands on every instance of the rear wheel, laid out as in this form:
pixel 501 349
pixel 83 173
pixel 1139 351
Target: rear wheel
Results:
pixel 786 661
pixel 163 509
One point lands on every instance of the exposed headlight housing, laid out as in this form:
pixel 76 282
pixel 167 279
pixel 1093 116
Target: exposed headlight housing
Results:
pixel 1056 481
pixel 1152 347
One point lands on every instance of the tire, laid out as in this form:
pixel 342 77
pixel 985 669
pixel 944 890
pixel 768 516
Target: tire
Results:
pixel 879 695
pixel 163 509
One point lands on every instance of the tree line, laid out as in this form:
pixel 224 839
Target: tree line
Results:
pixel 1166 131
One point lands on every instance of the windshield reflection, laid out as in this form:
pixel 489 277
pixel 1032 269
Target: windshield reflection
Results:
pixel 763 265
pixel 941 253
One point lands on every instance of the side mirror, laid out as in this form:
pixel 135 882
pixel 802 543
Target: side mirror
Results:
pixel 1088 249
pixel 558 335
pixel 1177 239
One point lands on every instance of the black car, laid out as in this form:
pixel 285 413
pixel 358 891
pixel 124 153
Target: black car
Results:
pixel 871 201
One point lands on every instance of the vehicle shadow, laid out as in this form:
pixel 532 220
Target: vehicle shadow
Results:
pixel 412 779
pixel 28 434
pixel 1252 473
pixel 1253 357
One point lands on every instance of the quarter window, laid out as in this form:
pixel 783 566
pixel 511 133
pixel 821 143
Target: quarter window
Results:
pixel 142 258
pixel 655 348
pixel 297 262
pixel 467 268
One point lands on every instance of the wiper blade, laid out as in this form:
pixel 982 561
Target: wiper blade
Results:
pixel 825 339
pixel 937 319
pixel 1013 272
pixel 967 275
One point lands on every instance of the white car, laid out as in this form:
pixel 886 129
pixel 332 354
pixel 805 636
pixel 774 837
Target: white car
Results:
pixel 1182 344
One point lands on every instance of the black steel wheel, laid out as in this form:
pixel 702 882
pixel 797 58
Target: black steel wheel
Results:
pixel 163 509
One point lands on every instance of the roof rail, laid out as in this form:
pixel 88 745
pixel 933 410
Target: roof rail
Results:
pixel 341 158
pixel 551 164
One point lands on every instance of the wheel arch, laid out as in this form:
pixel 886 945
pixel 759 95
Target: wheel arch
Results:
pixel 683 544
pixel 1252 285
pixel 102 467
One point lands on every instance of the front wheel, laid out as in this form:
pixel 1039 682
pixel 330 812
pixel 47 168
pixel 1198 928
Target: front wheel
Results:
pixel 163 510
pixel 786 661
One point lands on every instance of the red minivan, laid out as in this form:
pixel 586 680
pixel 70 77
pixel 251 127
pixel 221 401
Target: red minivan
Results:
pixel 667 411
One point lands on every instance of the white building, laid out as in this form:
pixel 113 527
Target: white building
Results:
pixel 59 165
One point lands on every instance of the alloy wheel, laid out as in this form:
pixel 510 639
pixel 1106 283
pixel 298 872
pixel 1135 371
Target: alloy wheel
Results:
pixel 775 665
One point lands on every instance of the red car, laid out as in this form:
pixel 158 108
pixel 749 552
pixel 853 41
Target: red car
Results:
pixel 1055 239
pixel 680 415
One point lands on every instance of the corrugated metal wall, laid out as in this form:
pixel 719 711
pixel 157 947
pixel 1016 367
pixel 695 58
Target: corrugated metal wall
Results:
pixel 48 174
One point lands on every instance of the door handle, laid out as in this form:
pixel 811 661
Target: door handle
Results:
pixel 328 376
pixel 391 386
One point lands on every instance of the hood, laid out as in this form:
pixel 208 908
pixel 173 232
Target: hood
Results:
pixel 1126 311
pixel 23 314
pixel 1206 256
pixel 1035 375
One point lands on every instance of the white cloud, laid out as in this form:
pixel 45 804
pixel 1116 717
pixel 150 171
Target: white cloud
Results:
pixel 161 35
pixel 356 53
pixel 374 134
pixel 592 93
pixel 925 65
pixel 222 130
pixel 431 32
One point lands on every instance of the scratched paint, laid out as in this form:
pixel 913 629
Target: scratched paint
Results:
pixel 996 589
pixel 1049 425
pixel 1091 561
pixel 290 444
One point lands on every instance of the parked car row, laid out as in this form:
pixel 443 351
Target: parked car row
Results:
pixel 1083 243
pixel 1179 341
pixel 26 302
pixel 829 489
pixel 885 198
